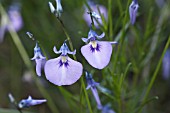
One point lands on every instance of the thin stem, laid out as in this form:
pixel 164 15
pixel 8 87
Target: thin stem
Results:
pixel 27 62
pixel 86 95
pixel 20 110
pixel 156 72
pixel 90 13
pixel 71 46
pixel 68 37
pixel 110 20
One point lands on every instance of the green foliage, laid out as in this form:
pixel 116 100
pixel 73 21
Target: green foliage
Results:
pixel 129 83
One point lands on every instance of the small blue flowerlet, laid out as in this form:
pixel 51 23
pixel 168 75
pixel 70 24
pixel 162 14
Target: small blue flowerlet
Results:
pixel 97 53
pixel 25 103
pixel 63 70
pixel 39 59
pixel 133 8
pixel 58 9
pixel 92 85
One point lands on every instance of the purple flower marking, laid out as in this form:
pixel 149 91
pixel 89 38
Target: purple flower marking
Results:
pixel 39 59
pixel 92 85
pixel 63 63
pixel 97 53
pixel 133 8
pixel 30 102
pixel 97 48
pixel 63 70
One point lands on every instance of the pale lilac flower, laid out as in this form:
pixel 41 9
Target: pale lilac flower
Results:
pixel 97 53
pixel 30 102
pixel 15 21
pixel 58 11
pixel 92 85
pixel 63 70
pixel 95 14
pixel 39 59
pixel 133 8
pixel 166 65
pixel 107 109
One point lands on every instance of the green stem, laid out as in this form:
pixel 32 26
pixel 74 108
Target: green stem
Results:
pixel 86 96
pixel 110 19
pixel 71 46
pixel 156 72
pixel 68 37
pixel 27 62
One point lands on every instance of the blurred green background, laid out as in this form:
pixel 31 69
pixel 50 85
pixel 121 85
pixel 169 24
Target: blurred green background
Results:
pixel 142 45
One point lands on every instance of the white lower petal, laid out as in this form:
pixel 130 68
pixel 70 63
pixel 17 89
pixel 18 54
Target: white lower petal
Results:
pixel 98 59
pixel 62 75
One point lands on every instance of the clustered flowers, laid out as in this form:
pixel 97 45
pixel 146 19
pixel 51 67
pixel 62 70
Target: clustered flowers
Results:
pixel 63 70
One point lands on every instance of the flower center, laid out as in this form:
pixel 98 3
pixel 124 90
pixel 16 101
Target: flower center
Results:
pixel 94 44
pixel 63 59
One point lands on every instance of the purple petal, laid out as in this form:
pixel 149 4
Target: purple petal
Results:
pixel 166 65
pixel 96 96
pixel 100 36
pixel 98 59
pixel 36 102
pixel 85 40
pixel 15 19
pixel 39 65
pixel 133 8
pixel 63 74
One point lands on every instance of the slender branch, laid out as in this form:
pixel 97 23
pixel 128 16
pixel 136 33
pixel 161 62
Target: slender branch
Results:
pixel 155 73
pixel 68 37
pixel 27 62
pixel 71 46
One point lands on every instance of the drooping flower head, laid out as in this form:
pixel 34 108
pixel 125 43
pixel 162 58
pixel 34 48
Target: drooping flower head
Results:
pixel 97 53
pixel 25 103
pixel 58 11
pixel 92 85
pixel 15 19
pixel 95 14
pixel 133 9
pixel 39 59
pixel 63 70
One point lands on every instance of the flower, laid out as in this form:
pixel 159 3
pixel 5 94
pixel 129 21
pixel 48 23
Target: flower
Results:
pixel 133 8
pixel 39 59
pixel 107 109
pixel 58 9
pixel 92 85
pixel 166 65
pixel 63 70
pixel 15 23
pixel 97 53
pixel 30 102
pixel 95 14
